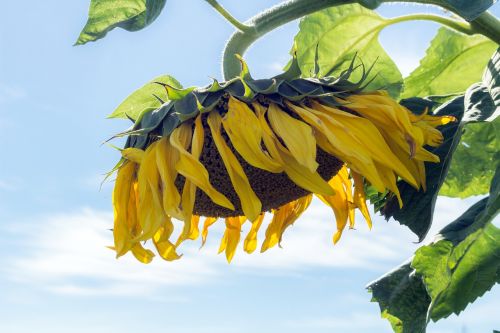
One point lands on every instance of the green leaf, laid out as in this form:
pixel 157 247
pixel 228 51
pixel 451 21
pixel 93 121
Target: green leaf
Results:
pixel 478 154
pixel 403 299
pixel 131 15
pixel 468 9
pixel 464 264
pixel 452 63
pixel 143 99
pixel 474 161
pixel 418 206
pixel 482 99
pixel 338 34
pixel 445 276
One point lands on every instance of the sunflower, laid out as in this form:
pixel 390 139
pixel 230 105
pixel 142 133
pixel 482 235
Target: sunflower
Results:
pixel 233 151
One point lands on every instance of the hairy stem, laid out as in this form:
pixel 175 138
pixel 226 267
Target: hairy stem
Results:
pixel 281 14
pixel 487 25
pixel 230 18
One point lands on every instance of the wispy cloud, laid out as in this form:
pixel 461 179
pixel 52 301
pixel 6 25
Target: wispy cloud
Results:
pixel 10 92
pixel 66 253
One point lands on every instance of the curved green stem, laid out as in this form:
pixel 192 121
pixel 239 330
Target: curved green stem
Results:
pixel 281 14
pixel 487 25
pixel 230 18
pixel 460 26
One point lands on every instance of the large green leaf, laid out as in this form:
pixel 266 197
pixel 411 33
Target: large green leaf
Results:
pixel 143 99
pixel 474 161
pixel 452 63
pixel 482 99
pixel 403 299
pixel 335 35
pixel 462 265
pixel 468 9
pixel 418 206
pixel 477 156
pixel 131 15
pixel 465 263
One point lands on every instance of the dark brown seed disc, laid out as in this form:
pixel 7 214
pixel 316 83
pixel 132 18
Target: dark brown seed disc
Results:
pixel 273 189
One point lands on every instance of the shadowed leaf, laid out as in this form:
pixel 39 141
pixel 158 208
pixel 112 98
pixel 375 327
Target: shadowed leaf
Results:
pixel 131 15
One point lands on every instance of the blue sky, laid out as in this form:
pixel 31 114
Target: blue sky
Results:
pixel 56 274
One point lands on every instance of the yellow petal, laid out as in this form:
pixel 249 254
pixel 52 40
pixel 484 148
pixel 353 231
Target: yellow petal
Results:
pixel 334 140
pixel 208 222
pixel 359 197
pixel 166 159
pixel 195 231
pixel 390 182
pixel 369 137
pixel 165 248
pixel 299 174
pixel 250 243
pixel 133 154
pixel 267 134
pixel 188 198
pixel 339 204
pixel 151 214
pixel 250 203
pixel 299 206
pixel 143 255
pixel 243 128
pixel 297 136
pixel 233 232
pixel 347 184
pixel 283 217
pixel 189 165
pixel 121 196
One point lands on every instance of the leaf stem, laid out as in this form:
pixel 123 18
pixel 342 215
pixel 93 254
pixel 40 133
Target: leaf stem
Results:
pixel 487 25
pixel 461 26
pixel 276 16
pixel 230 18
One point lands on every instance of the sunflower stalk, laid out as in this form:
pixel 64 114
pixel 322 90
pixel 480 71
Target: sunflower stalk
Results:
pixel 485 24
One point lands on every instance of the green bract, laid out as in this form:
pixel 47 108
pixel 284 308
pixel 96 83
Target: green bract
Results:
pixel 184 104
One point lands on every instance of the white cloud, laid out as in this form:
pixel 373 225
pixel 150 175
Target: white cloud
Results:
pixel 67 253
pixel 9 92
pixel 354 320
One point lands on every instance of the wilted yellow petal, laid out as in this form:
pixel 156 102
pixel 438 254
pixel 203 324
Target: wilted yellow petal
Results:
pixel 299 206
pixel 121 199
pixel 339 204
pixel 283 217
pixel 337 142
pixel 195 231
pixel 250 203
pixel 151 214
pixel 359 197
pixel 250 243
pixel 298 173
pixel 244 131
pixel 133 154
pixel 204 233
pixel 190 167
pixel 343 175
pixel 389 179
pixel 297 136
pixel 369 137
pixel 267 134
pixel 166 159
pixel 165 248
pixel 143 255
pixel 232 235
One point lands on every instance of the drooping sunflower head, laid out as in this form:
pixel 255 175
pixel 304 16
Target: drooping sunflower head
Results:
pixel 236 150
